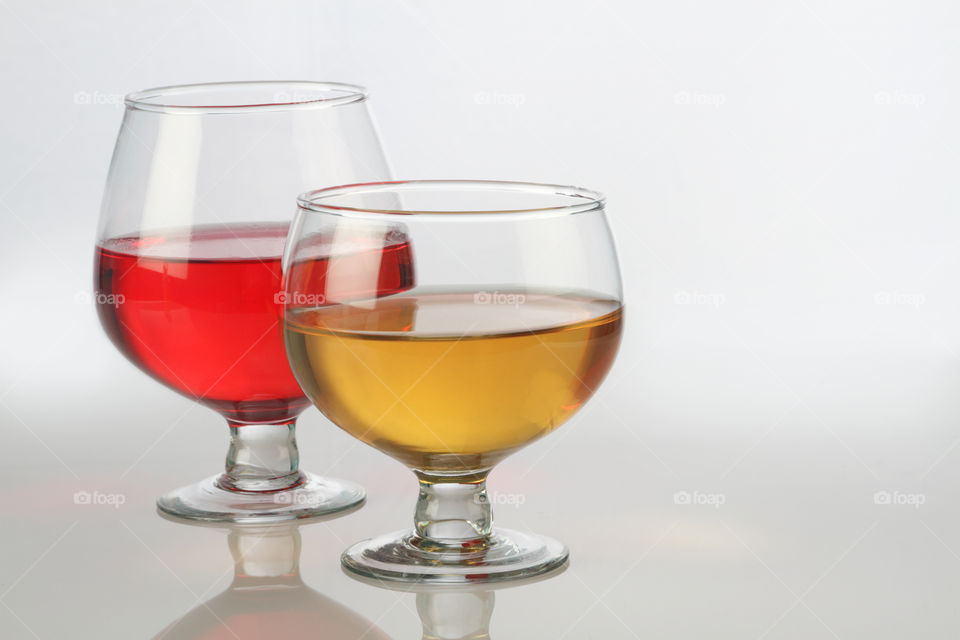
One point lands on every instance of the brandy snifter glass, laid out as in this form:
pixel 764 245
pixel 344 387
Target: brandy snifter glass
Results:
pixel 188 268
pixel 513 320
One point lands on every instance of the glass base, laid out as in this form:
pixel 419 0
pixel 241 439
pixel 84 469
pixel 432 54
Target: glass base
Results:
pixel 403 557
pixel 210 502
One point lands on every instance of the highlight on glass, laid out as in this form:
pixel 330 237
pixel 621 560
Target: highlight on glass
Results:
pixel 451 324
pixel 187 270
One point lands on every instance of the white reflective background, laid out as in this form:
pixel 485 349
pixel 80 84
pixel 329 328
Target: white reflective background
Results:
pixel 781 179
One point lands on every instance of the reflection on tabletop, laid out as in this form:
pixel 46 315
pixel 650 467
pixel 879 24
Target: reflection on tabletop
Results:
pixel 268 598
pixel 456 612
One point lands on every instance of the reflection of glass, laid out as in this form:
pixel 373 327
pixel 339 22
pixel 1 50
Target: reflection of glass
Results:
pixel 194 218
pixel 511 324
pixel 268 599
pixel 453 615
pixel 458 612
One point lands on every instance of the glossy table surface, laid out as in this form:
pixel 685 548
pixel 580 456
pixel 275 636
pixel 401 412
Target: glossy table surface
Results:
pixel 689 513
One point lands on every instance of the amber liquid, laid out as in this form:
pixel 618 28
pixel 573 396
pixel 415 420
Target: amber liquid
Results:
pixel 453 382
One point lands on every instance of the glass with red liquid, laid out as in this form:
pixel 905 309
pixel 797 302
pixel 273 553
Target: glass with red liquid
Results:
pixel 188 268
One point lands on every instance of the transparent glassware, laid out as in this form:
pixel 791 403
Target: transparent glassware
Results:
pixel 513 320
pixel 268 597
pixel 457 612
pixel 187 271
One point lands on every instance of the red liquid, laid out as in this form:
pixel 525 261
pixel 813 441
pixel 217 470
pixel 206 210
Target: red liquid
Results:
pixel 201 312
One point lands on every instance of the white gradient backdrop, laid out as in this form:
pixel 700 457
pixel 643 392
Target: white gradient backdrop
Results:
pixel 782 185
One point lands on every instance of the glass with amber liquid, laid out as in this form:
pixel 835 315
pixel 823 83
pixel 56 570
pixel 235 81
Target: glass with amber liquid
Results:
pixel 514 321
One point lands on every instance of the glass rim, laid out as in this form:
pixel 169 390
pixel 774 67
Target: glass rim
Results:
pixel 163 99
pixel 583 199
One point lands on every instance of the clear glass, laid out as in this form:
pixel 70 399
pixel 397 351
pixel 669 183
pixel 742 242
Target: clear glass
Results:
pixel 510 318
pixel 268 597
pixel 188 281
pixel 458 611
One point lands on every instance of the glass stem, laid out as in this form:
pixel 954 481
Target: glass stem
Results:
pixel 262 457
pixel 452 511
